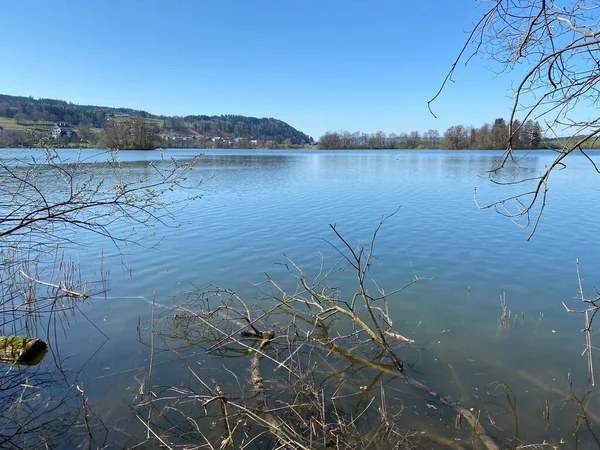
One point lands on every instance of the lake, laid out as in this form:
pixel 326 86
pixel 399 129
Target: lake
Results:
pixel 260 209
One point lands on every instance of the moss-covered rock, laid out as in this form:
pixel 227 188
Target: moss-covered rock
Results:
pixel 21 350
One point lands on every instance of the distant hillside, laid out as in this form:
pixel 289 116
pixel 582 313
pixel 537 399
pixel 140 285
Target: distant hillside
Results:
pixel 21 113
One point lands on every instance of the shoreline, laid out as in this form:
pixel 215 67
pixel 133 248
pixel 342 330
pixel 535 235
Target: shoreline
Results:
pixel 301 149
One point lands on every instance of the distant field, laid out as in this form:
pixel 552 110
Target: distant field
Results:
pixel 11 124
pixel 8 124
pixel 45 126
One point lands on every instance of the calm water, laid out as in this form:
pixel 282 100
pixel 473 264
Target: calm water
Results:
pixel 259 207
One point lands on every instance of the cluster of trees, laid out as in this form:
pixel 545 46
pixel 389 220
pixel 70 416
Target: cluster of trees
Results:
pixel 240 143
pixel 131 132
pixel 17 138
pixel 345 140
pixel 526 135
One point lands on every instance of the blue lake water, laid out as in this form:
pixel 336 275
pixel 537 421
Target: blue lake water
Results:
pixel 259 208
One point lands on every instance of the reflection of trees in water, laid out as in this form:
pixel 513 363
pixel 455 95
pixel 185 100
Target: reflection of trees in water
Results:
pixel 43 405
pixel 246 160
pixel 476 162
pixel 446 164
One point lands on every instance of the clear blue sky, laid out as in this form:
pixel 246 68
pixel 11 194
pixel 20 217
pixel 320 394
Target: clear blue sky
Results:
pixel 317 64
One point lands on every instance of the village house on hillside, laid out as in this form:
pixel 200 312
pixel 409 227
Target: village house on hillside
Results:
pixel 62 129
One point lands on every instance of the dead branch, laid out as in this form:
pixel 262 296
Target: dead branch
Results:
pixel 303 412
pixel 559 44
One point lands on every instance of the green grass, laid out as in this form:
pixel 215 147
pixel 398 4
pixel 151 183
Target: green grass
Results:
pixel 11 124
pixel 159 122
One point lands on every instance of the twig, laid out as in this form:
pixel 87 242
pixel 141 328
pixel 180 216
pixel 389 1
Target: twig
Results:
pixel 150 367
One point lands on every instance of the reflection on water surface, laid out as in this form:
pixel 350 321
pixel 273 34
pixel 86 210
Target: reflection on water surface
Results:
pixel 521 371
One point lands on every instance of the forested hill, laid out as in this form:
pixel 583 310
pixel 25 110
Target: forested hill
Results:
pixel 27 110
pixel 234 126
pixel 48 110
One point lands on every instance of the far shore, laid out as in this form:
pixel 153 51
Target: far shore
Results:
pixel 311 148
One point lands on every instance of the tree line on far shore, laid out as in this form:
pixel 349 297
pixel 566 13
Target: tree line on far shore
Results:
pixel 527 135
pixel 25 122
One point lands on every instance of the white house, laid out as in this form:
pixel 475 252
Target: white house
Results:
pixel 61 129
